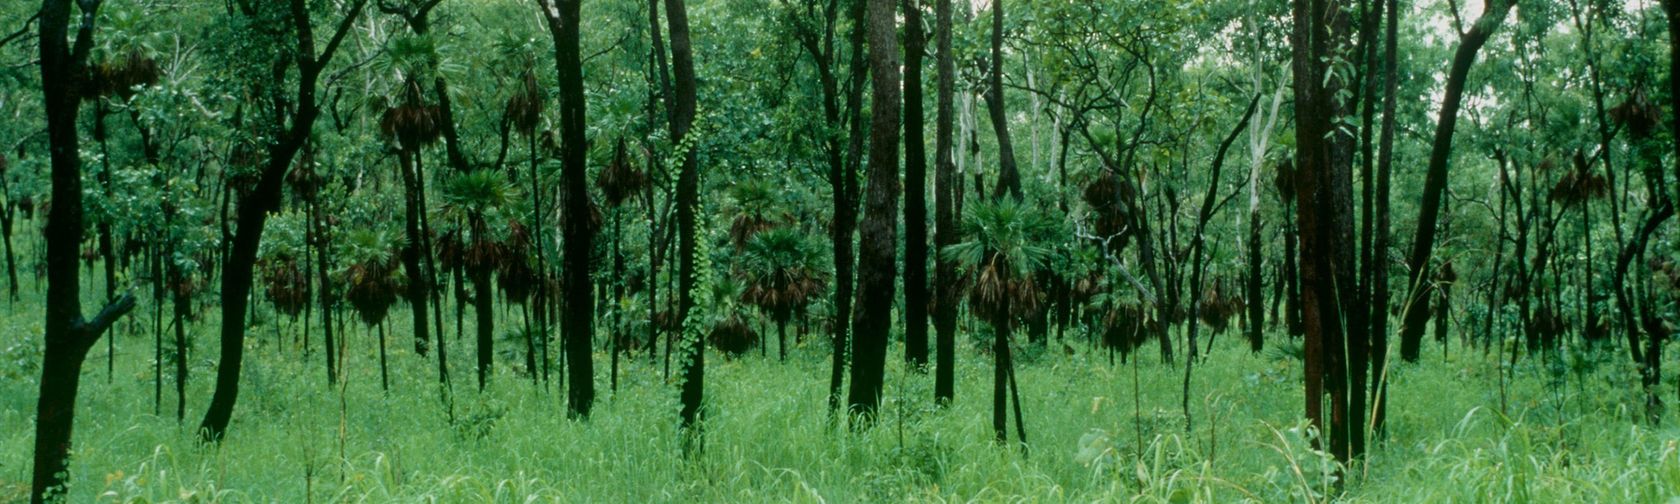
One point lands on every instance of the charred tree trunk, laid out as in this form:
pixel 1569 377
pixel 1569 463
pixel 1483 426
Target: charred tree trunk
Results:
pixel 1323 185
pixel 254 208
pixel 69 337
pixel 688 194
pixel 878 234
pixel 843 178
pixel 564 24
pixel 915 193
pixel 413 248
pixel 322 265
pixel 1380 237
pixel 1009 177
pixel 945 221
pixel 1416 312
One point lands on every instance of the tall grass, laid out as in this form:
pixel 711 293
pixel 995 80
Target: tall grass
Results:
pixel 1569 433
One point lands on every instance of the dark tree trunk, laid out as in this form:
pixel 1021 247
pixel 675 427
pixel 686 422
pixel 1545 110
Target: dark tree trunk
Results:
pixel 107 253
pixel 484 312
pixel 1323 187
pixel 915 192
pixel 564 25
pixel 1416 312
pixel 878 234
pixel 255 206
pixel 1378 317
pixel 1000 373
pixel 1198 248
pixel 1291 275
pixel 412 248
pixel 1009 178
pixel 322 265
pixel 945 221
pixel 1252 289
pixel 69 337
pixel 182 307
pixel 843 179
pixel 688 194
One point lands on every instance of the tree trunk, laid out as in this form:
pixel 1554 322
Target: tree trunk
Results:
pixel 1009 178
pixel 878 234
pixel 1323 190
pixel 69 337
pixel 254 208
pixel 688 193
pixel 915 193
pixel 1416 312
pixel 945 222
pixel 1378 317
pixel 412 248
pixel 322 265
pixel 484 312
pixel 564 24
pixel 843 178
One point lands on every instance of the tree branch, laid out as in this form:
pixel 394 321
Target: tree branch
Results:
pixel 90 330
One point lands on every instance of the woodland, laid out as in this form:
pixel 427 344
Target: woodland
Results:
pixel 839 250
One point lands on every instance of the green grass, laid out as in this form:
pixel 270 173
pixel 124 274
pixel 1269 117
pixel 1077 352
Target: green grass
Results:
pixel 1568 434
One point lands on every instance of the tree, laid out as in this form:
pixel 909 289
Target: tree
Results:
pixel 1003 251
pixel 878 233
pixel 1416 310
pixel 688 193
pixel 1009 178
pixel 915 192
pixel 1323 186
pixel 564 24
pixel 945 225
pixel 1381 235
pixel 69 337
pixel 264 197
pixel 783 275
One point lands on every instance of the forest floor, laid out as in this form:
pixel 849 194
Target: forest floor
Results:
pixel 1565 432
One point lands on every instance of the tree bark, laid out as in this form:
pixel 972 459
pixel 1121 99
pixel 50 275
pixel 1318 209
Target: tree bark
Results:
pixel 688 191
pixel 915 193
pixel 1009 177
pixel 564 24
pixel 1323 188
pixel 253 211
pixel 945 222
pixel 1378 317
pixel 69 337
pixel 1416 312
pixel 878 234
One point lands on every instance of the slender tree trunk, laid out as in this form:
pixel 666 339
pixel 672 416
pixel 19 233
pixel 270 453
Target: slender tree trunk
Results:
pixel 878 234
pixel 1380 237
pixel 688 193
pixel 915 192
pixel 1416 312
pixel 1199 246
pixel 483 311
pixel 407 164
pixel 1009 178
pixel 945 222
pixel 322 265
pixel 564 24
pixel 253 211
pixel 843 179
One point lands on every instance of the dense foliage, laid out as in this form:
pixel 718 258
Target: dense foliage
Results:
pixel 1154 223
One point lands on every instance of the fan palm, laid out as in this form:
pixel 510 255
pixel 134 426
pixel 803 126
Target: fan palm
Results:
pixel 372 282
pixel 784 272
pixel 478 198
pixel 1005 247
